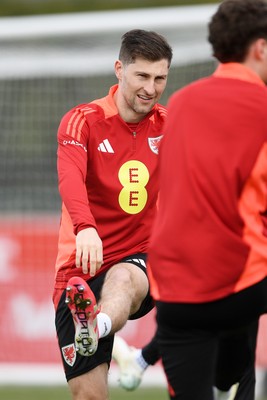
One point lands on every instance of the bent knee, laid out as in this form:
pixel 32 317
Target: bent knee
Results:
pixel 131 277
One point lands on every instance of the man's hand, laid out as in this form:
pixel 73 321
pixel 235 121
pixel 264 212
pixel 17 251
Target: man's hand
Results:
pixel 89 250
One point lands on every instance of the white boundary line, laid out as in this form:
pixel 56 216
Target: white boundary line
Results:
pixel 52 375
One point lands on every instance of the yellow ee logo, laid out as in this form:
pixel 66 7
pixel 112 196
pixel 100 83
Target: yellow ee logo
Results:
pixel 133 176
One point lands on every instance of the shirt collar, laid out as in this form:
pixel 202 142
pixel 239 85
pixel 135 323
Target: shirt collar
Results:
pixel 237 71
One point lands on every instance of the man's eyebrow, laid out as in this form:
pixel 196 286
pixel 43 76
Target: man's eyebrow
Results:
pixel 148 74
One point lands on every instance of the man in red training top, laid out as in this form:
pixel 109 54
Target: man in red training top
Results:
pixel 108 181
pixel 208 253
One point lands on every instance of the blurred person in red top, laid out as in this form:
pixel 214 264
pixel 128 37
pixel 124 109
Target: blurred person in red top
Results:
pixel 108 182
pixel 208 252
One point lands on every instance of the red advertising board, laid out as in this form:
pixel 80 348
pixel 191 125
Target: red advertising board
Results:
pixel 28 249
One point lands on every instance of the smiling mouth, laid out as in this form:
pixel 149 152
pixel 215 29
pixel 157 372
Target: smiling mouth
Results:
pixel 144 97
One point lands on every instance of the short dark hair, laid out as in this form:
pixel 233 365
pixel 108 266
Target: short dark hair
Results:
pixel 148 45
pixel 235 25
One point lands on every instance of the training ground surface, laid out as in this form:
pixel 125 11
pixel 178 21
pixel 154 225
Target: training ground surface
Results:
pixel 31 387
pixel 62 393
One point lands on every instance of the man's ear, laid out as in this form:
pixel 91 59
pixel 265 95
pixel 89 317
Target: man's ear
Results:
pixel 260 49
pixel 118 67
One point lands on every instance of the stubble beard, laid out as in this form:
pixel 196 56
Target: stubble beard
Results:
pixel 142 109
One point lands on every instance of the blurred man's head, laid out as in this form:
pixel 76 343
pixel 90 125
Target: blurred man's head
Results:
pixel 235 25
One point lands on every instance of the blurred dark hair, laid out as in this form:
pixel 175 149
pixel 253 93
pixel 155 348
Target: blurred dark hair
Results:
pixel 235 25
pixel 148 45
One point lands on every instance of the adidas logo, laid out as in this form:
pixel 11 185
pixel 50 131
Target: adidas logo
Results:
pixel 105 147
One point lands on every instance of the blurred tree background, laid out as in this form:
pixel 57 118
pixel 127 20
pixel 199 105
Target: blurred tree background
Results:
pixel 33 7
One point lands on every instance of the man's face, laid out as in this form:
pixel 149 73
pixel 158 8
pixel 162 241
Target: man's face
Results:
pixel 141 85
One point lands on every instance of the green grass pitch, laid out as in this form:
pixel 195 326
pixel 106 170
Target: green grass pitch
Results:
pixel 62 393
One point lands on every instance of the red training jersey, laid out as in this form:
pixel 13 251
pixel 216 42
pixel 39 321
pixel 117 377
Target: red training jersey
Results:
pixel 210 235
pixel 108 179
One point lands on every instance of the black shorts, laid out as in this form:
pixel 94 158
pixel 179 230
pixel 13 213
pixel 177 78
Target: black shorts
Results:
pixel 212 342
pixel 74 363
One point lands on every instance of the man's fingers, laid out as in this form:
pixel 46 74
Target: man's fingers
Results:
pixel 89 251
pixel 90 262
pixel 85 261
pixel 96 260
pixel 78 257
